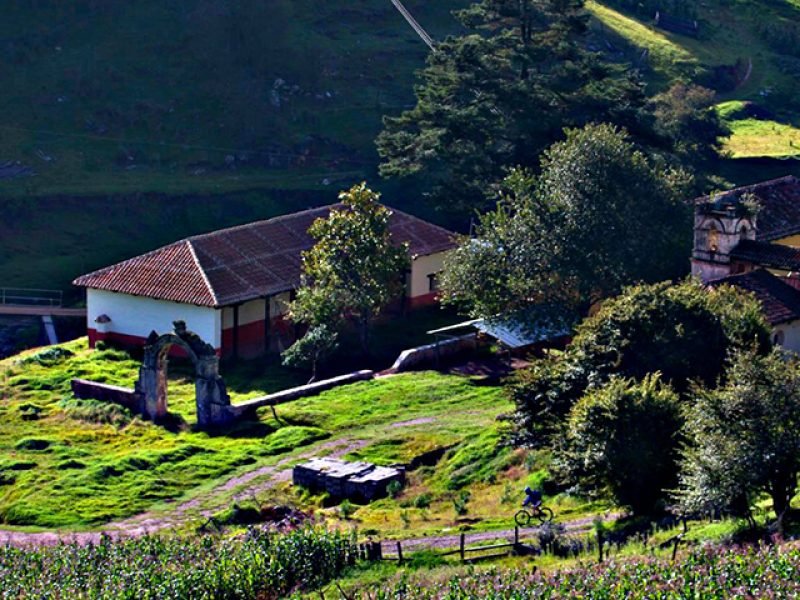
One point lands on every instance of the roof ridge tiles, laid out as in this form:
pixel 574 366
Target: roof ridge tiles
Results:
pixel 747 188
pixel 202 272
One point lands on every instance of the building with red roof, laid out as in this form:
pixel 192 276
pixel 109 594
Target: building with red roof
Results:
pixel 232 286
pixel 749 237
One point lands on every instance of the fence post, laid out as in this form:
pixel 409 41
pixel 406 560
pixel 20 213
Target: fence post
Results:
pixel 399 554
pixel 516 535
pixel 599 546
pixel 461 548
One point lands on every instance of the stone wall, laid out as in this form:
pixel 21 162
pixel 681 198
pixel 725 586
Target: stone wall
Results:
pixel 91 390
pixel 302 391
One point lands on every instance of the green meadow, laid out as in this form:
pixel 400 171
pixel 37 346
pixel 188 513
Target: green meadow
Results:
pixel 78 464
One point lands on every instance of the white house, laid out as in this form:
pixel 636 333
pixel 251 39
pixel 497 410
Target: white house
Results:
pixel 232 286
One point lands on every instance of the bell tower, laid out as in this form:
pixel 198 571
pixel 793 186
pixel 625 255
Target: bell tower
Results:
pixel 720 223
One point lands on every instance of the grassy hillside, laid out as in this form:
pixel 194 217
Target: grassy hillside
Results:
pixel 203 95
pixel 71 463
pixel 747 50
pixel 218 105
pixel 117 96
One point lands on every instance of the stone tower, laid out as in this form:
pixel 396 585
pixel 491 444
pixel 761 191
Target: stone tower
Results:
pixel 720 223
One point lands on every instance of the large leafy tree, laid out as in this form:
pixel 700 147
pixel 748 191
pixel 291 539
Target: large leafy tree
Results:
pixel 599 216
pixel 682 331
pixel 621 440
pixel 354 269
pixel 745 436
pixel 494 98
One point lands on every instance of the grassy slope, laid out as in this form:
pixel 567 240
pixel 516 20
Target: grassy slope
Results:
pixel 120 96
pixel 67 463
pixel 728 36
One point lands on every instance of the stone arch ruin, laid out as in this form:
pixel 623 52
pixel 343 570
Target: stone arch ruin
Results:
pixel 213 402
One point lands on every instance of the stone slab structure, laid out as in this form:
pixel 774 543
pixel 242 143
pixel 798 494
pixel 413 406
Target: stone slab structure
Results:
pixel 358 481
pixel 91 390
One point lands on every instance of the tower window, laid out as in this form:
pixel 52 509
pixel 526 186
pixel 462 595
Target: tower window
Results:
pixel 713 239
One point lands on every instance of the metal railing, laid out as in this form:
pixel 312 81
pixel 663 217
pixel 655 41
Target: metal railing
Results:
pixel 31 297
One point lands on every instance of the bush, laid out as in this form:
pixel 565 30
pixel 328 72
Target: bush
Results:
pixel 623 439
pixel 346 509
pixel 394 488
pixel 460 503
pixel 423 500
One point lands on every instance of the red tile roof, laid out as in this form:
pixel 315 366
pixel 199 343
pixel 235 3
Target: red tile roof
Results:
pixel 765 254
pixel 242 263
pixel 779 301
pixel 779 216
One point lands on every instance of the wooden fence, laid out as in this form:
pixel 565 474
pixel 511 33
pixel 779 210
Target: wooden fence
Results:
pixel 463 551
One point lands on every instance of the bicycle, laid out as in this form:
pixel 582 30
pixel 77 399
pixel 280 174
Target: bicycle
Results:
pixel 524 517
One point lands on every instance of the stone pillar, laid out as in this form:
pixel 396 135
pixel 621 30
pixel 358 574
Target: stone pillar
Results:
pixel 213 401
pixel 152 387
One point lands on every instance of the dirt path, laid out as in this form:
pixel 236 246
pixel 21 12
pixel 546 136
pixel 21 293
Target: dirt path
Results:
pixel 453 540
pixel 148 523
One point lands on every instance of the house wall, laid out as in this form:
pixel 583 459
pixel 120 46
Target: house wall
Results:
pixel 792 240
pixel 791 335
pixel 418 289
pixel 255 336
pixel 134 317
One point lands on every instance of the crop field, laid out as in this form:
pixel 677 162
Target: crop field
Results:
pixel 712 573
pixel 82 464
pixel 262 565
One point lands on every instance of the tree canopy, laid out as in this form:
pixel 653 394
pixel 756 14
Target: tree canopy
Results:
pixel 354 269
pixel 599 216
pixel 685 332
pixel 496 97
pixel 744 436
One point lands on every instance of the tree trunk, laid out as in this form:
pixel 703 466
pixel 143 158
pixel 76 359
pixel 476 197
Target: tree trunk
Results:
pixel 781 493
pixel 363 326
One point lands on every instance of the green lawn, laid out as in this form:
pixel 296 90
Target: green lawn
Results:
pixel 78 464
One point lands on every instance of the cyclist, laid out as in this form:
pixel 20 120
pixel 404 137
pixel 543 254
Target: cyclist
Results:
pixel 533 498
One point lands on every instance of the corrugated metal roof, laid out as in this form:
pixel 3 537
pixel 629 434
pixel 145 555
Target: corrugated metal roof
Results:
pixel 512 333
pixel 241 263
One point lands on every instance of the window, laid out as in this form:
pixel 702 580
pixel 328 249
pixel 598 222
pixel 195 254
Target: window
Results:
pixel 433 282
pixel 713 239
pixel 778 338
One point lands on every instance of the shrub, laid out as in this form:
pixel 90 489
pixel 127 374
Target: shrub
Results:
pixel 394 488
pixel 682 331
pixel 460 503
pixel 622 438
pixel 423 500
pixel 346 509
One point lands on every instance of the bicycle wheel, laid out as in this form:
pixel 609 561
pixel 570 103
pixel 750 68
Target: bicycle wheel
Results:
pixel 545 515
pixel 522 518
